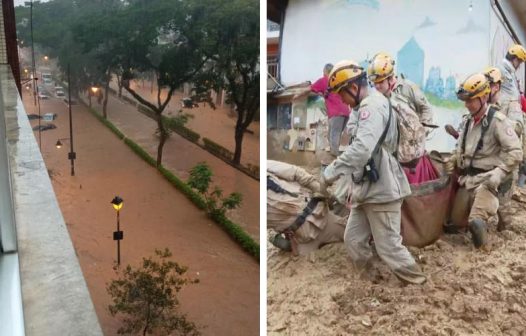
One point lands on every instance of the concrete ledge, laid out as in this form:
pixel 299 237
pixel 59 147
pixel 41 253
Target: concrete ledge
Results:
pixel 55 297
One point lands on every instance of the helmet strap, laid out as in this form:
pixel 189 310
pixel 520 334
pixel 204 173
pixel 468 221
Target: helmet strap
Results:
pixel 391 86
pixel 355 97
pixel 480 108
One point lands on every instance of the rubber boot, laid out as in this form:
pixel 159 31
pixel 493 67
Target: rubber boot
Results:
pixel 477 227
pixel 411 274
pixel 281 242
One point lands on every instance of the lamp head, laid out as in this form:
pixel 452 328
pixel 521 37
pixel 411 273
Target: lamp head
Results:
pixel 117 203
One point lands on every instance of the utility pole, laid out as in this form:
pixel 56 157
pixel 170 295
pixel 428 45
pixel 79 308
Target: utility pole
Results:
pixel 71 155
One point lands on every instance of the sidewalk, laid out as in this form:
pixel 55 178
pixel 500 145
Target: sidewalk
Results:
pixel 155 215
pixel 217 125
pixel 180 155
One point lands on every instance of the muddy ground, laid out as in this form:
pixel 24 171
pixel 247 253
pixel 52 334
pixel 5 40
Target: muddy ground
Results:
pixel 468 292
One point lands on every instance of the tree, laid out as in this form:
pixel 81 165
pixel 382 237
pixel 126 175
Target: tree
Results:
pixel 200 179
pixel 168 44
pixel 147 297
pixel 233 31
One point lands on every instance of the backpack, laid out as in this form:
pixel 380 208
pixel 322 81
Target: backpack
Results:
pixel 412 134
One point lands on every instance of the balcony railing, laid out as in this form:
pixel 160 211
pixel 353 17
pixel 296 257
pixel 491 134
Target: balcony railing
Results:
pixel 42 290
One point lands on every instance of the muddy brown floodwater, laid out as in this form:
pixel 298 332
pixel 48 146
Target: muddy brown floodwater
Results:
pixel 154 215
pixel 180 155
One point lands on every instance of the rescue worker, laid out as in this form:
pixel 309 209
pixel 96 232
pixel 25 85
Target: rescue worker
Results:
pixel 297 211
pixel 337 111
pixel 504 212
pixel 494 76
pixel 410 104
pixel 487 152
pixel 509 99
pixel 377 188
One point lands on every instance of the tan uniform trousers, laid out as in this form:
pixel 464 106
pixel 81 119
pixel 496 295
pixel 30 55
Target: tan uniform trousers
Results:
pixel 475 203
pixel 504 195
pixel 383 222
pixel 332 233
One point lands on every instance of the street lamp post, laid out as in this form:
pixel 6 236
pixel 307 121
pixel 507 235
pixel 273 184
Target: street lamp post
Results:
pixel 59 142
pixel 118 235
pixel 71 155
pixel 95 91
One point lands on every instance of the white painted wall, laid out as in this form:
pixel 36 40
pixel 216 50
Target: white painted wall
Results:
pixel 316 32
pixel 459 41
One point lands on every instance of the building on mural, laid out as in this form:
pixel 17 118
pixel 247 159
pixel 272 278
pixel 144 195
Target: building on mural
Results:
pixel 435 83
pixel 450 89
pixel 411 62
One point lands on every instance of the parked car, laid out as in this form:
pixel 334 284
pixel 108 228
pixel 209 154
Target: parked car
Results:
pixel 33 116
pixel 44 127
pixel 43 96
pixel 49 116
pixel 188 103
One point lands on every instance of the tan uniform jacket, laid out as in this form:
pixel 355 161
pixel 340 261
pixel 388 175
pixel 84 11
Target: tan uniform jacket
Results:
pixel 392 185
pixel 501 148
pixel 509 99
pixel 352 124
pixel 283 209
pixel 416 99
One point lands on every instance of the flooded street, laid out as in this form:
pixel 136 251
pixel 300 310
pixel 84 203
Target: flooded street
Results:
pixel 155 215
pixel 180 155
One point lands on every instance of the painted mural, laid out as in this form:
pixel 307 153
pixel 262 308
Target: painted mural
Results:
pixel 436 44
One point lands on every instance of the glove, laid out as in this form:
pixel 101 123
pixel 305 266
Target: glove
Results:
pixel 496 176
pixel 323 186
pixel 450 164
pixel 329 175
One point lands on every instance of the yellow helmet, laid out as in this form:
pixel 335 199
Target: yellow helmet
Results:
pixel 381 67
pixel 343 73
pixel 494 75
pixel 519 51
pixel 475 86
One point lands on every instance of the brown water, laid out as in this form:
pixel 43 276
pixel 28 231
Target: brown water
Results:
pixel 154 215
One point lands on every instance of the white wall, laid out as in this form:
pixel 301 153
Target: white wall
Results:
pixel 316 32
pixel 459 41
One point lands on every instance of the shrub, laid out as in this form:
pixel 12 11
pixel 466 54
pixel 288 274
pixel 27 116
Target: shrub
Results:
pixel 200 179
pixel 147 297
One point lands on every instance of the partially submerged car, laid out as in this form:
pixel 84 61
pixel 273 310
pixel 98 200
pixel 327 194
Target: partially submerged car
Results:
pixel 44 127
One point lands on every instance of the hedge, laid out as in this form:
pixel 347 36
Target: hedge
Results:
pixel 147 111
pixel 180 129
pixel 232 229
pixel 129 100
pixel 238 234
pixel 253 169
pixel 218 149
